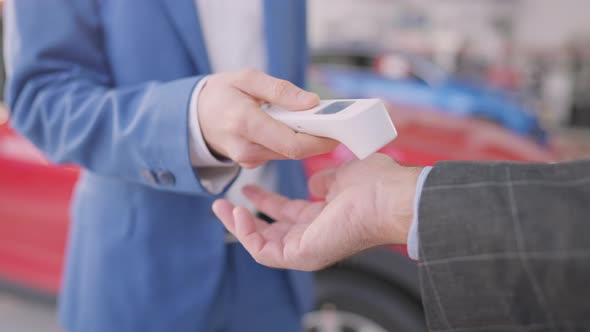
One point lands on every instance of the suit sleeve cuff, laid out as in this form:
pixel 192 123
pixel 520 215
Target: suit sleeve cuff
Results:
pixel 413 239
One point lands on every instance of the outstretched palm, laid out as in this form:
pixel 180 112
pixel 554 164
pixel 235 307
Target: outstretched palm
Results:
pixel 310 235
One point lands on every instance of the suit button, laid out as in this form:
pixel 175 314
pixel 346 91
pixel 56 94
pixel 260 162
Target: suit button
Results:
pixel 166 178
pixel 149 177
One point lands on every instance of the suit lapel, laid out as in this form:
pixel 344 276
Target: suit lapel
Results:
pixel 184 16
pixel 285 28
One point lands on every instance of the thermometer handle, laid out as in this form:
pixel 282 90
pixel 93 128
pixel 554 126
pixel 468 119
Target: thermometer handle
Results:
pixel 364 127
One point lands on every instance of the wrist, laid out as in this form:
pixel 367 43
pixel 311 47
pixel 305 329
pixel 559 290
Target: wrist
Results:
pixel 202 108
pixel 201 153
pixel 398 195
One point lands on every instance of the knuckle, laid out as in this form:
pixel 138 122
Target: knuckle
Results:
pixel 241 154
pixel 245 75
pixel 253 126
pixel 294 152
pixel 233 124
pixel 237 121
pixel 280 88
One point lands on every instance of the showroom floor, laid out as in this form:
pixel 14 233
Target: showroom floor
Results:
pixel 24 314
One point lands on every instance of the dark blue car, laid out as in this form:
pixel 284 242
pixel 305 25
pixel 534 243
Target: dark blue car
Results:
pixel 429 87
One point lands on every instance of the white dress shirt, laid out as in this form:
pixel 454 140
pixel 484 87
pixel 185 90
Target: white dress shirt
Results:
pixel 234 38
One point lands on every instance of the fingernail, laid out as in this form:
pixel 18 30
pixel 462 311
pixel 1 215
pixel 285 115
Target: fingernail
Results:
pixel 308 98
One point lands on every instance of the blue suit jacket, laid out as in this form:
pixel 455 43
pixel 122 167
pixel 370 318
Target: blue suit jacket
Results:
pixel 106 84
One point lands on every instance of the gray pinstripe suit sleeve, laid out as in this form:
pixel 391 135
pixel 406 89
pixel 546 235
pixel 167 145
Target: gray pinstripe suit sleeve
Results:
pixel 506 247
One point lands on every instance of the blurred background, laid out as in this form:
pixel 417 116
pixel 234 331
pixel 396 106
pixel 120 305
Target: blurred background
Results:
pixel 463 80
pixel 536 49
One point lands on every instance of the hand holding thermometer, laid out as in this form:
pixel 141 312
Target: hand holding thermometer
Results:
pixel 363 125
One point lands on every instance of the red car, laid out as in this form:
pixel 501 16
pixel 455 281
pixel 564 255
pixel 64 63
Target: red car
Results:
pixel 374 291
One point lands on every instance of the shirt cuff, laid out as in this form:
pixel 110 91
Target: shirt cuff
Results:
pixel 214 174
pixel 413 238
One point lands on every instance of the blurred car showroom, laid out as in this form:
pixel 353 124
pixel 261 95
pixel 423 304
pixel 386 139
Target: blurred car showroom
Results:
pixel 462 79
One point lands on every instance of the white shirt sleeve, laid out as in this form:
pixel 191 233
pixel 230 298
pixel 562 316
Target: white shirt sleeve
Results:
pixel 413 237
pixel 214 174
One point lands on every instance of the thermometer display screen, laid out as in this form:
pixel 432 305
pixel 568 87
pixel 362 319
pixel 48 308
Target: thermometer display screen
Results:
pixel 335 107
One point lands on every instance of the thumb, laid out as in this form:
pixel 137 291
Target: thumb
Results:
pixel 321 183
pixel 275 91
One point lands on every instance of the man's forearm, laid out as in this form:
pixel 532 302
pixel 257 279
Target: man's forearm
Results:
pixel 507 236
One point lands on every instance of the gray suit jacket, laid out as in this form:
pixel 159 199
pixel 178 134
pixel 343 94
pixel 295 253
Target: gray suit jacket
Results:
pixel 506 247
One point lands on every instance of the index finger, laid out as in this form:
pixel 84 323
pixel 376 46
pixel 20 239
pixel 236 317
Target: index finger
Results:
pixel 274 90
pixel 278 137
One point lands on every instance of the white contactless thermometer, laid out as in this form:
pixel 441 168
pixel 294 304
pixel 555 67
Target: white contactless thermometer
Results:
pixel 363 125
